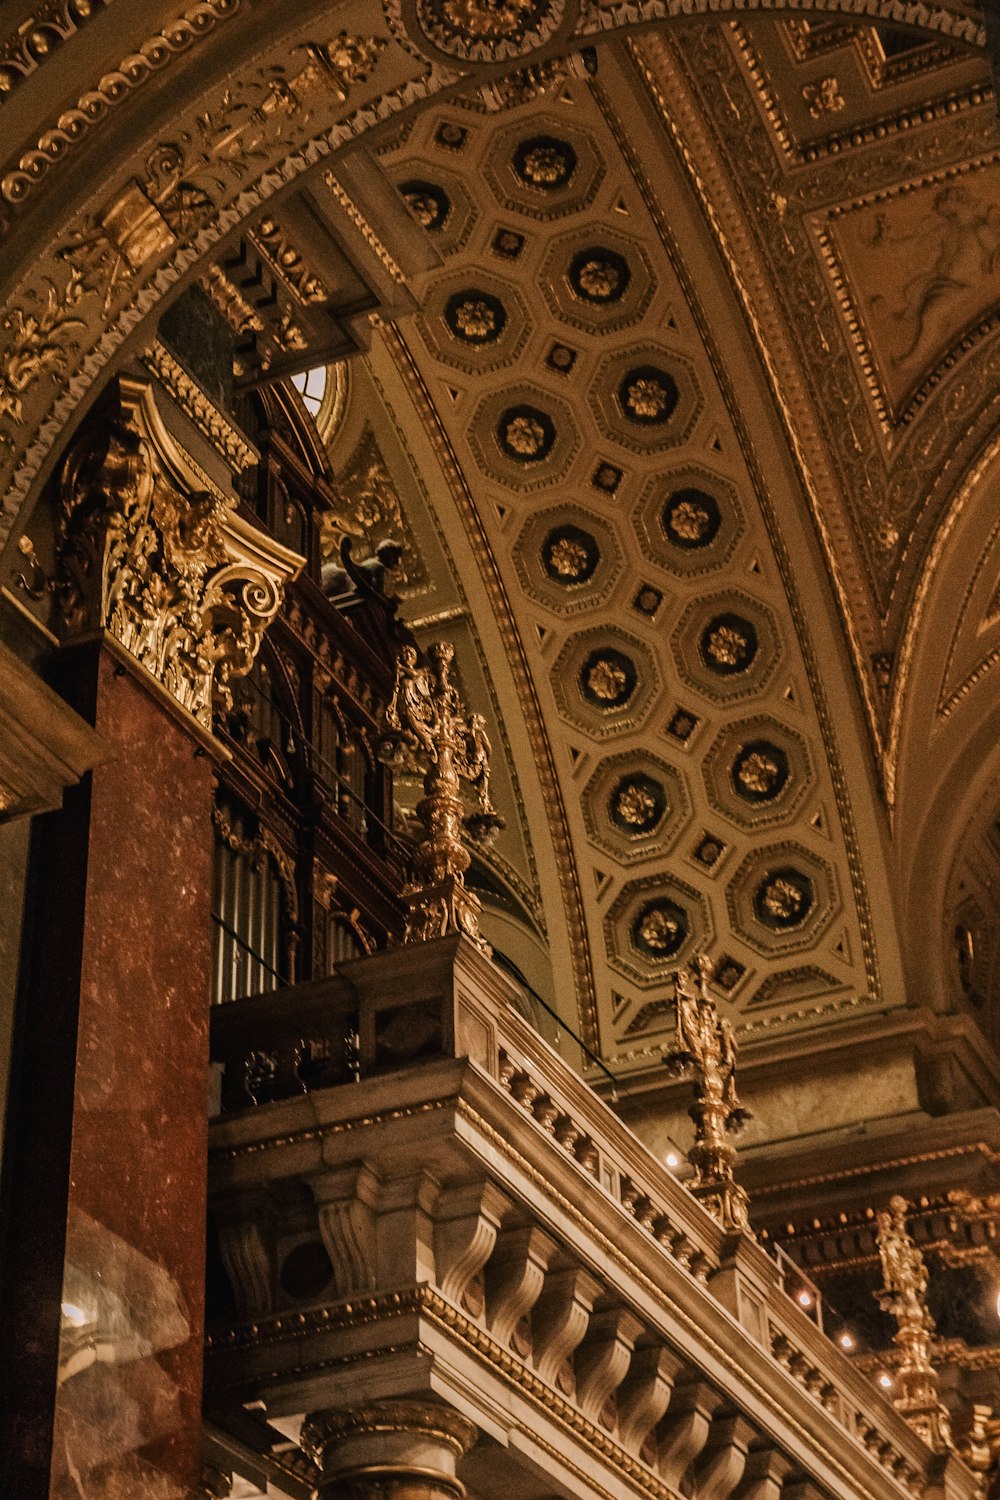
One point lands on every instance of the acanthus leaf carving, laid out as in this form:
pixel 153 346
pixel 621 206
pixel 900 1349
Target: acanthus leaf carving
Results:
pixel 148 551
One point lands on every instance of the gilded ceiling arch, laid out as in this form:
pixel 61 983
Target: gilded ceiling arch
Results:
pixel 231 101
pixel 235 114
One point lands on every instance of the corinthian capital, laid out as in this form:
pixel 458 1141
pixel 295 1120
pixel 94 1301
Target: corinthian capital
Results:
pixel 152 551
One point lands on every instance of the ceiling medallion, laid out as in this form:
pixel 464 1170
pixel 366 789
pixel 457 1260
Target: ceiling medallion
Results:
pixel 608 678
pixel 760 771
pixel 526 434
pixel 544 162
pixel 570 555
pixel 691 518
pixel 428 203
pixel 599 276
pixel 637 804
pixel 728 644
pixel 659 929
pixel 647 395
pixel 783 899
pixel 488 30
pixel 475 317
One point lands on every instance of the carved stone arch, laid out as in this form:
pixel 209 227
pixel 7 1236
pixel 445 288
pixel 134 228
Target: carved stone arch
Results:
pixel 67 326
pixel 946 727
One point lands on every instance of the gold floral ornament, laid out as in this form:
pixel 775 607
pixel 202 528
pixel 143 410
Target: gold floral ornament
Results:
pixel 568 557
pixel 782 900
pixel 904 1295
pixel 600 279
pixel 658 929
pixel 488 30
pixel 606 680
pixel 705 1050
pixel 690 521
pixel 37 343
pixel 648 399
pixel 726 645
pixel 635 805
pixel 759 773
pixel 544 166
pixel 426 729
pixel 476 319
pixel 166 566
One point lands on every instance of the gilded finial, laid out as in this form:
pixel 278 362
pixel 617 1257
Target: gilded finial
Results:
pixel 427 730
pixel 904 1295
pixel 705 1048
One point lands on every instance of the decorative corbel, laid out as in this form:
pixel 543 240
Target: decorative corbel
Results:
pixel 514 1278
pixel 645 1394
pixel 464 1236
pixel 245 1227
pixel 720 1467
pixel 603 1359
pixel 559 1319
pixel 345 1202
pixel 688 1423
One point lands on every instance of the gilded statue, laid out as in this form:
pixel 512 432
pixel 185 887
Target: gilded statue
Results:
pixel 428 731
pixel 706 1049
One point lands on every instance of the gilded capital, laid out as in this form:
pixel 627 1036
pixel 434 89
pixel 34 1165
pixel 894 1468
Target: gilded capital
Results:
pixel 151 551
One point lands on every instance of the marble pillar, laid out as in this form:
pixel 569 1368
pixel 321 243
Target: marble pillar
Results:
pixel 389 1450
pixel 108 1181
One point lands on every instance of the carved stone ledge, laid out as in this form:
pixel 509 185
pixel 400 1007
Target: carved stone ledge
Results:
pixel 150 550
pixel 44 745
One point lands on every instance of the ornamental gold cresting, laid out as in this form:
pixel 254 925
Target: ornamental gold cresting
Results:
pixel 427 731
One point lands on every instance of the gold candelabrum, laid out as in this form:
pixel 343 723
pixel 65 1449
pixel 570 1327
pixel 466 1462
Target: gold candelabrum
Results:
pixel 705 1048
pixel 904 1294
pixel 426 730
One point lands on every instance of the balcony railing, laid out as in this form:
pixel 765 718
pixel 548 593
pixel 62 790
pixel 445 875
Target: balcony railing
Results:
pixel 483 1227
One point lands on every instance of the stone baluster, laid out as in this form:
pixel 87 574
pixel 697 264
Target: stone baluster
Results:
pixel 514 1278
pixel 602 1361
pixel 720 1467
pixel 686 1427
pixel 388 1450
pixel 645 1394
pixel 345 1202
pixel 465 1233
pixel 559 1320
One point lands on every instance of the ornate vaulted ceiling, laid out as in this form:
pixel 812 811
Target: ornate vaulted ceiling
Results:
pixel 700 370
pixel 683 401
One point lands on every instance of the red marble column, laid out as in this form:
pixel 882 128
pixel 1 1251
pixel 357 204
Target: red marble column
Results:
pixel 119 984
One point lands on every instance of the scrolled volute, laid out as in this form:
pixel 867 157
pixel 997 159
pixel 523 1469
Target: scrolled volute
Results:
pixel 149 550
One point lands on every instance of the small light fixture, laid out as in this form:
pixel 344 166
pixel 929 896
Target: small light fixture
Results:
pixel 804 1299
pixel 846 1341
pixel 885 1381
pixel 673 1160
pixel 998 1304
pixel 74 1315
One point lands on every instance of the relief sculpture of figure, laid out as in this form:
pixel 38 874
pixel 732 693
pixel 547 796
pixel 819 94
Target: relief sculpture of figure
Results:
pixel 962 240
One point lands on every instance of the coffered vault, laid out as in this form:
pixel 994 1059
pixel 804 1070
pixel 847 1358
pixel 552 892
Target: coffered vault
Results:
pixel 709 758
pixel 685 386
